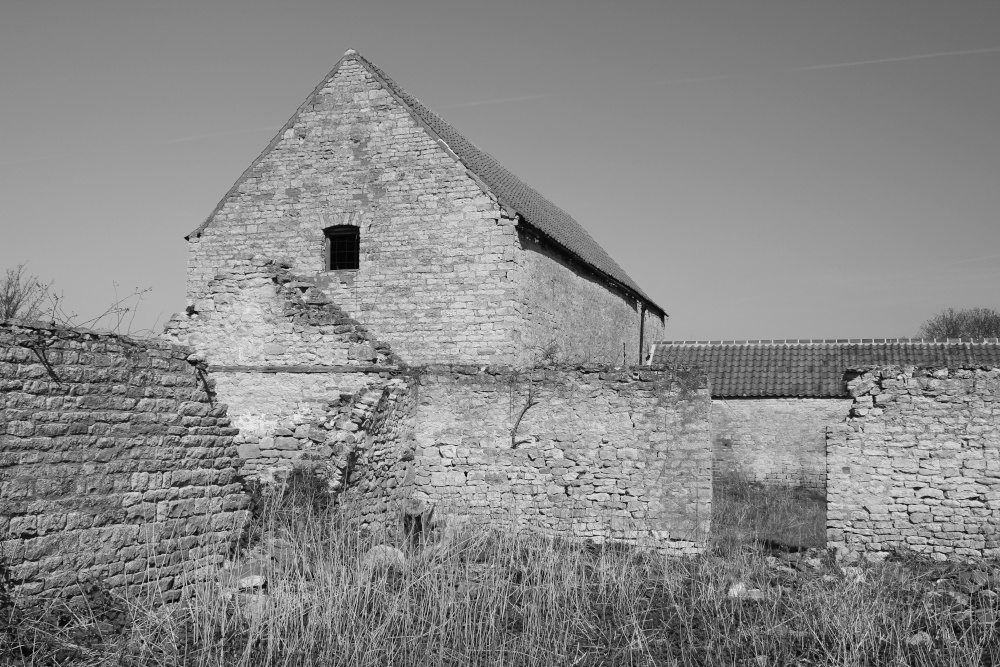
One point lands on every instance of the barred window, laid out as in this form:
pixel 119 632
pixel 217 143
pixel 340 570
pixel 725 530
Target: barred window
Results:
pixel 343 247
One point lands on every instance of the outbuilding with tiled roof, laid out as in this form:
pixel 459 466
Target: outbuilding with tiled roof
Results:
pixel 772 400
pixel 814 368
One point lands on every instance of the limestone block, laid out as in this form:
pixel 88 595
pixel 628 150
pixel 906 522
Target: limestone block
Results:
pixel 248 451
pixel 361 352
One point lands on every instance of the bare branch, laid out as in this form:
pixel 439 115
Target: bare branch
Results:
pixel 963 323
pixel 530 403
pixel 22 295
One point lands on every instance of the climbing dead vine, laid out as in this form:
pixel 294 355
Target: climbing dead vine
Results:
pixel 530 403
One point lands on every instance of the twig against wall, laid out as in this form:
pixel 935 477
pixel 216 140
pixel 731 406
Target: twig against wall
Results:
pixel 531 402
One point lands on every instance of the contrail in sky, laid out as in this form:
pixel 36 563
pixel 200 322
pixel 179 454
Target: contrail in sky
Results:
pixel 521 98
pixel 971 259
pixel 967 52
pixel 719 77
pixel 498 100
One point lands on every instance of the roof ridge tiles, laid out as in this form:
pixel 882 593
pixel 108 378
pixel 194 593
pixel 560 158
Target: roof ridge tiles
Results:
pixel 836 341
pixel 814 367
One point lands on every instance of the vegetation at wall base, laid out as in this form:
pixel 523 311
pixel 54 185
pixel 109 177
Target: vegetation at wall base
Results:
pixel 331 594
pixel 745 511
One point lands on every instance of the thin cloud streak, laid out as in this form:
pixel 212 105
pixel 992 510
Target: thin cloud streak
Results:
pixel 971 259
pixel 499 100
pixel 695 79
pixel 522 98
pixel 722 77
pixel 942 54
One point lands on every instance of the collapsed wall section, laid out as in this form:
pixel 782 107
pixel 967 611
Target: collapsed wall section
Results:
pixel 306 384
pixel 917 465
pixel 255 311
pixel 351 429
pixel 775 441
pixel 597 454
pixel 116 466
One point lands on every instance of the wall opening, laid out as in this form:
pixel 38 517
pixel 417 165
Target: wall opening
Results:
pixel 343 247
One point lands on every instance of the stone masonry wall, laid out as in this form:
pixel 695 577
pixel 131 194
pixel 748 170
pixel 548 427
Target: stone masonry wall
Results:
pixel 572 316
pixel 255 311
pixel 603 455
pixel 435 277
pixel 116 466
pixel 775 441
pixel 917 465
pixel 352 429
pixel 304 382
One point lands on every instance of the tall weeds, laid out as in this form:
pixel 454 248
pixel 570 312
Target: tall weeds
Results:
pixel 482 596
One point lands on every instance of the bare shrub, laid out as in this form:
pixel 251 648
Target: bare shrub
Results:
pixel 22 295
pixel 962 323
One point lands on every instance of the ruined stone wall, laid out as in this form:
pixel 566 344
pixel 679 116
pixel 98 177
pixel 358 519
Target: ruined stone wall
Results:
pixel 775 441
pixel 256 312
pixel 917 465
pixel 435 277
pixel 571 315
pixel 115 464
pixel 304 382
pixel 604 455
pixel 353 430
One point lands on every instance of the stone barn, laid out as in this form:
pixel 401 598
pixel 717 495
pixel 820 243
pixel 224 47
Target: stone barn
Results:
pixel 420 236
pixel 381 298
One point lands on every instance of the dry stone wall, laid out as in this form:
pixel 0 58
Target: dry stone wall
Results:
pixel 596 454
pixel 775 441
pixel 116 465
pixel 917 465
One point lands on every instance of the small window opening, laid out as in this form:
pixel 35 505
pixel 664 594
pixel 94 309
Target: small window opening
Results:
pixel 343 247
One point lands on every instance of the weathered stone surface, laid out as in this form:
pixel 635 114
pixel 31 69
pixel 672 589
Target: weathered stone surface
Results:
pixel 775 441
pixel 921 471
pixel 383 557
pixel 120 467
pixel 611 458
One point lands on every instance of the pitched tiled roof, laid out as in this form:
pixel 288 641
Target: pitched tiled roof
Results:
pixel 537 211
pixel 814 367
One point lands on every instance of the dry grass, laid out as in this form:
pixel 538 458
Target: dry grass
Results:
pixel 483 597
pixel 748 512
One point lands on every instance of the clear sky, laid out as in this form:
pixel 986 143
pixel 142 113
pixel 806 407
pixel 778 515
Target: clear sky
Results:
pixel 762 168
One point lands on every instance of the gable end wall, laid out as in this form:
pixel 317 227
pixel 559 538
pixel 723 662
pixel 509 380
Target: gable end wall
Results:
pixel 437 254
